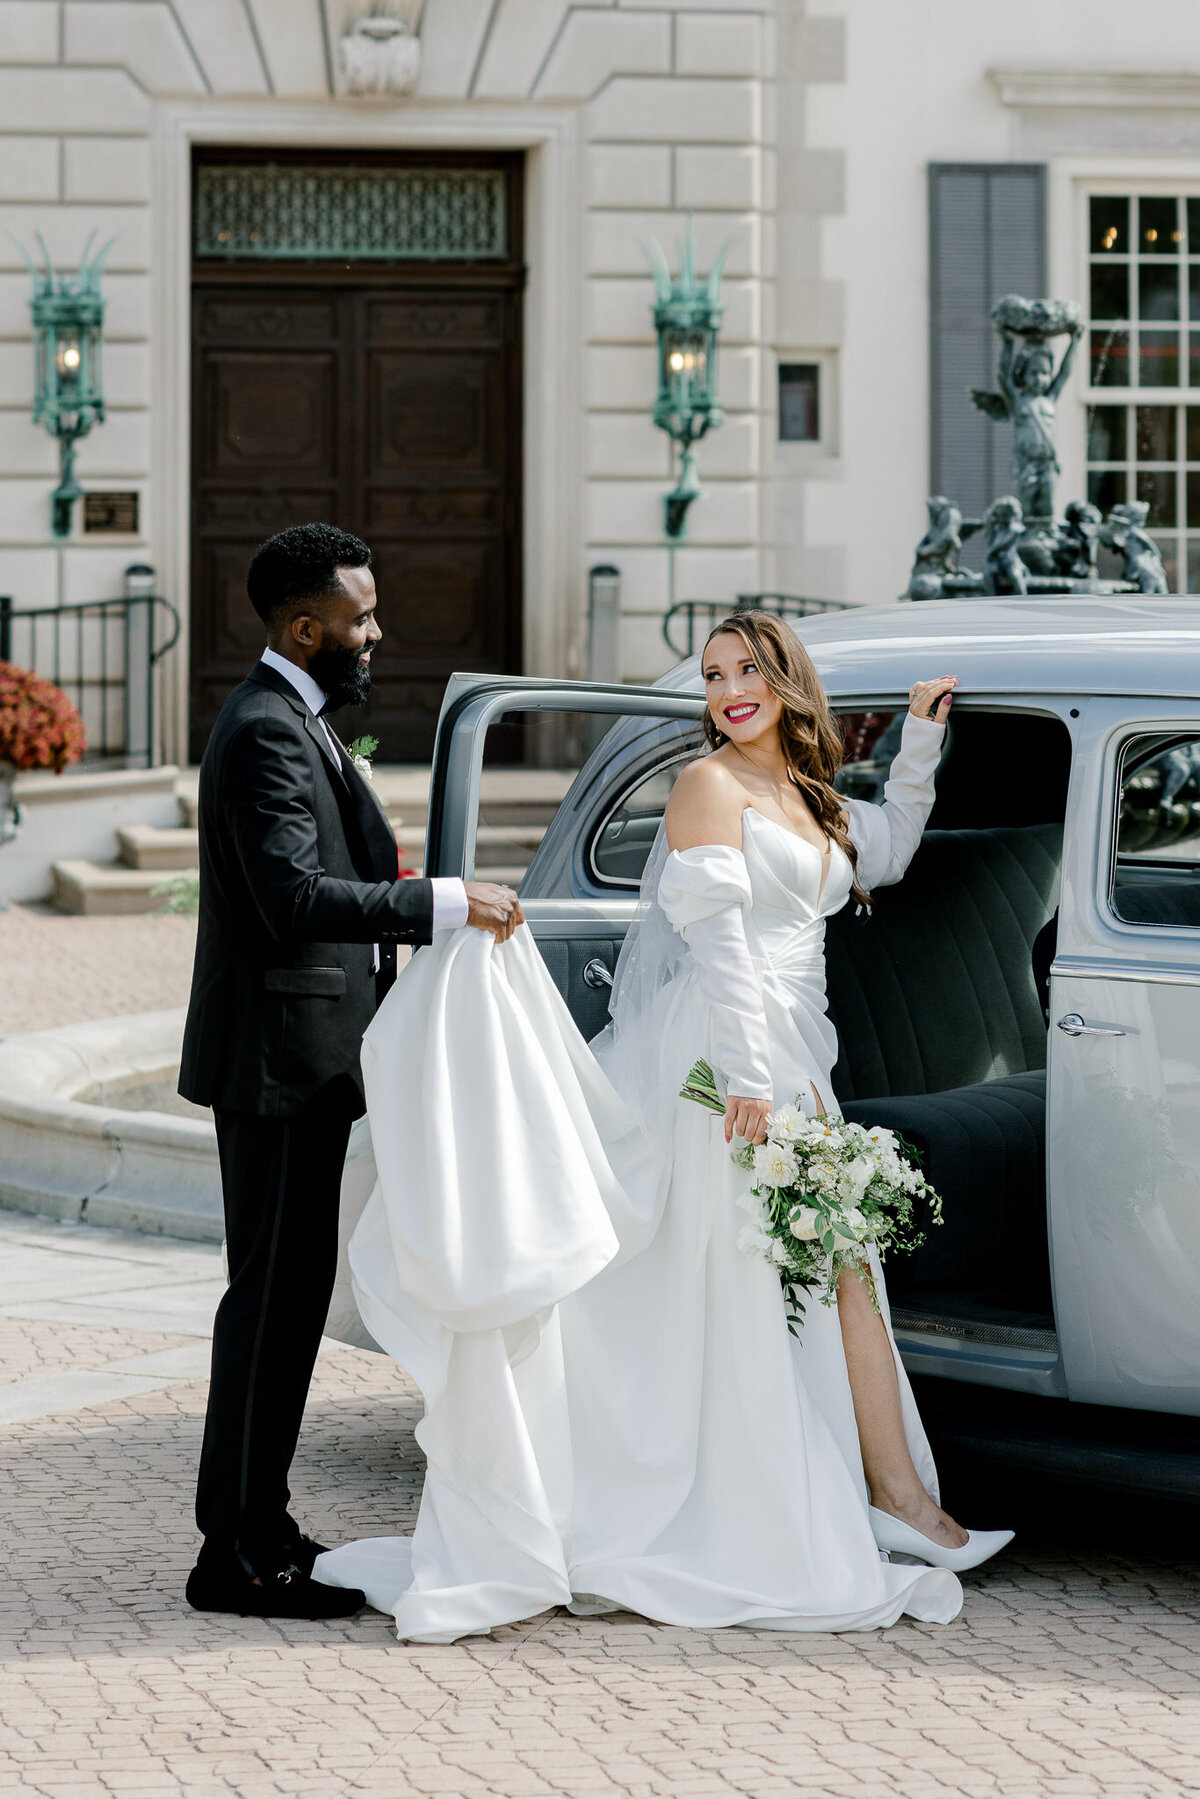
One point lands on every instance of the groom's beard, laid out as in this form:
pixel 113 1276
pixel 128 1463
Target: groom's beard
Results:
pixel 343 675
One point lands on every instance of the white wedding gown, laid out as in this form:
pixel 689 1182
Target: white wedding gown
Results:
pixel 616 1414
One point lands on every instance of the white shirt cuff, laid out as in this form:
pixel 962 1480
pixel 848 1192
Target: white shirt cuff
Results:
pixel 450 904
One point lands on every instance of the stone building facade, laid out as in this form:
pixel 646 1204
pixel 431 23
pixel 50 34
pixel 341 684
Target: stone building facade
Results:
pixel 803 130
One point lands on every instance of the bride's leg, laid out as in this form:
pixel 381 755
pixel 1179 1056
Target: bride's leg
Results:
pixel 894 1483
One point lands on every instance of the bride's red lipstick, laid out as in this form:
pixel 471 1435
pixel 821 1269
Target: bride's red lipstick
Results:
pixel 743 710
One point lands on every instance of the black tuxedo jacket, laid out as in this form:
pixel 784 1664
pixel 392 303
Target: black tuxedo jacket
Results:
pixel 298 879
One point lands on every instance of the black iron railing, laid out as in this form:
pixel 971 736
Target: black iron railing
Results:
pixel 686 615
pixel 103 654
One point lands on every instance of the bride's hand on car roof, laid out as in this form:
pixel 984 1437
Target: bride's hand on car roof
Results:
pixel 931 699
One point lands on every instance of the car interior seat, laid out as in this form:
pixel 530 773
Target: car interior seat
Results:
pixel 943 1039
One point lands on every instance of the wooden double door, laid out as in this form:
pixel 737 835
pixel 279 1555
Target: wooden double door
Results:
pixel 386 401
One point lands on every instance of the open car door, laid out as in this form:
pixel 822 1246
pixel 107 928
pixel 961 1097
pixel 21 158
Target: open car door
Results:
pixel 579 923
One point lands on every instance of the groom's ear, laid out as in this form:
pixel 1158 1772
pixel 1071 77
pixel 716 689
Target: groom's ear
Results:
pixel 306 630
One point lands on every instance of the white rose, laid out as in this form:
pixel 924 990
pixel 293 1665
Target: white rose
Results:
pixel 775 1165
pixel 805 1223
pixel 858 1175
pixel 364 768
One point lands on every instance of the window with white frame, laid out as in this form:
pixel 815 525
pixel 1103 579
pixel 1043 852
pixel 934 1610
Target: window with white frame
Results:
pixel 1143 425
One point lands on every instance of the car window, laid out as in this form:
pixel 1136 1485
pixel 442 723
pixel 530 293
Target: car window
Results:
pixel 872 740
pixel 624 839
pixel 623 842
pixel 1156 861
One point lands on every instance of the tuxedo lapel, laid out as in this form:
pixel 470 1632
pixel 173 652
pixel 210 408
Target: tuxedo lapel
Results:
pixel 361 812
pixel 373 820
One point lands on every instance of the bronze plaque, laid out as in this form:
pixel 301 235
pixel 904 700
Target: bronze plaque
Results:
pixel 110 514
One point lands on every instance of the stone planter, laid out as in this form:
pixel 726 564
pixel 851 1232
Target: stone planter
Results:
pixel 71 1146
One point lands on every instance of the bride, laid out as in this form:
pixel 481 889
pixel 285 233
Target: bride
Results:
pixel 616 1416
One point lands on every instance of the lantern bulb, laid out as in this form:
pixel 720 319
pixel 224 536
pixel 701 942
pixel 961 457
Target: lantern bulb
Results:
pixel 675 360
pixel 71 357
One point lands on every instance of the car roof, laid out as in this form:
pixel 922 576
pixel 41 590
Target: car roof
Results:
pixel 1089 644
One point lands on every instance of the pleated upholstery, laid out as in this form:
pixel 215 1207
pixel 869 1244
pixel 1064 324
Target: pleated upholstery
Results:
pixel 935 988
pixel 985 1152
pixel 950 1046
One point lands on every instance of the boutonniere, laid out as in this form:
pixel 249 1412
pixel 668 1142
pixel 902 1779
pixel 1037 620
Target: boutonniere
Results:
pixel 360 753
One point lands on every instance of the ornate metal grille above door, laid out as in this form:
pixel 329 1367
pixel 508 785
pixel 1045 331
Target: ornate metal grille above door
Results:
pixel 317 211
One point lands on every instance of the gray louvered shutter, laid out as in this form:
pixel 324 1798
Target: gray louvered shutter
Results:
pixel 987 237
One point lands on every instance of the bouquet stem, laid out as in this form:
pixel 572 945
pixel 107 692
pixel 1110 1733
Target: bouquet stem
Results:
pixel 701 1086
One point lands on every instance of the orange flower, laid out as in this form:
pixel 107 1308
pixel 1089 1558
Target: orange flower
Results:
pixel 39 727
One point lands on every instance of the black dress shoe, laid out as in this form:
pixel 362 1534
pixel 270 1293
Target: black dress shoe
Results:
pixel 286 1593
pixel 304 1552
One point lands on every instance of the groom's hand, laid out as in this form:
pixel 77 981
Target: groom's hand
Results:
pixel 493 908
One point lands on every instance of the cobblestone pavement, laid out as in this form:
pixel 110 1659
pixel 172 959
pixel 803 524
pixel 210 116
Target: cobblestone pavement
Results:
pixel 1067 1673
pixel 56 969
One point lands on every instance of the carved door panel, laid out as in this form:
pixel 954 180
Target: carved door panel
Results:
pixel 439 486
pixel 394 412
pixel 267 452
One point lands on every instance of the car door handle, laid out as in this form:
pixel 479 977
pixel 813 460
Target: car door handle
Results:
pixel 1075 1026
pixel 596 974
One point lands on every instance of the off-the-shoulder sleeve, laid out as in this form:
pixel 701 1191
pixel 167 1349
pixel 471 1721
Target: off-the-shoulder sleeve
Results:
pixel 886 837
pixel 705 893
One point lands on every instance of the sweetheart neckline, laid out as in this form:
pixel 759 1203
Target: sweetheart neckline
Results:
pixel 825 856
pixel 794 835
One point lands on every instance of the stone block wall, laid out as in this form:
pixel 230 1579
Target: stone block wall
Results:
pixel 683 105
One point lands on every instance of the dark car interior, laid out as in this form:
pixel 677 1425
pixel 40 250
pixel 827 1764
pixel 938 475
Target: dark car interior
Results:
pixel 941 1027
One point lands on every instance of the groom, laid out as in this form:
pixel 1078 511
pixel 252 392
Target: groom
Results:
pixel 301 909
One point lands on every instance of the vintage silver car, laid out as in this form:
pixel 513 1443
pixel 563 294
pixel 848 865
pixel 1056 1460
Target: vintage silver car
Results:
pixel 1054 1318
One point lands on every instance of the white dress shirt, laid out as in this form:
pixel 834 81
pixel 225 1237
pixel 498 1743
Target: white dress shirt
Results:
pixel 450 905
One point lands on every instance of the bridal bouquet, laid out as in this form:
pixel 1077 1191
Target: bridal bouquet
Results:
pixel 823 1192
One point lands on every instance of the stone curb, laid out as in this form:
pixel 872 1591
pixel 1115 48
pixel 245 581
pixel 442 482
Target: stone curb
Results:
pixel 66 1158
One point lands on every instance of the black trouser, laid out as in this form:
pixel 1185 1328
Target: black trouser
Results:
pixel 281 1179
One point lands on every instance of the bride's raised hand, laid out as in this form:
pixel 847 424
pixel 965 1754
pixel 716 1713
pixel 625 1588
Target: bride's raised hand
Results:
pixel 747 1119
pixel 931 699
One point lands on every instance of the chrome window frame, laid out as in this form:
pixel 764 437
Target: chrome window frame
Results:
pixel 1167 740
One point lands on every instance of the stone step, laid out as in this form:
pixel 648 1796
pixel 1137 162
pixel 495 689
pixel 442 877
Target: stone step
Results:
pixel 95 888
pixel 530 807
pixel 153 846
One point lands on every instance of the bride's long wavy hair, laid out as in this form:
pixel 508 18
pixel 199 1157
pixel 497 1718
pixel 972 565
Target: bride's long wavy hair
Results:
pixel 811 739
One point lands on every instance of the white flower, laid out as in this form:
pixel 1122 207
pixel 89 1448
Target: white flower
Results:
pixel 823 1174
pixel 858 1175
pixel 753 1241
pixel 850 1228
pixel 787 1124
pixel 364 768
pixel 805 1223
pixel 775 1164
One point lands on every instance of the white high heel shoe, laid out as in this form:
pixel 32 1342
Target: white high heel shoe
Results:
pixel 893 1534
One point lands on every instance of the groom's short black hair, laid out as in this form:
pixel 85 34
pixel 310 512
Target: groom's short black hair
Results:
pixel 301 564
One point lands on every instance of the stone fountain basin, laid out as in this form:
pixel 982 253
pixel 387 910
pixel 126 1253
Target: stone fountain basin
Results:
pixel 92 1130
